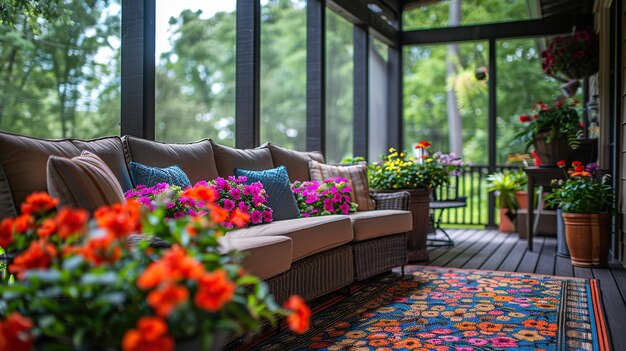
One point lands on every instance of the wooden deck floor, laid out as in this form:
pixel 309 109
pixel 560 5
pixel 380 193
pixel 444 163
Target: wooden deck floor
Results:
pixel 492 250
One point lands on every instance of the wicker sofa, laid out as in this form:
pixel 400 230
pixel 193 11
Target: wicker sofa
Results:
pixel 306 256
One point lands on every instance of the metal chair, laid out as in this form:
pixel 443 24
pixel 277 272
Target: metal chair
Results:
pixel 443 199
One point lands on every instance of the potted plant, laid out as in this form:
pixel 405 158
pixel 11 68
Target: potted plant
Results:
pixel 418 176
pixel 585 198
pixel 79 284
pixel 574 56
pixel 554 131
pixel 521 195
pixel 505 185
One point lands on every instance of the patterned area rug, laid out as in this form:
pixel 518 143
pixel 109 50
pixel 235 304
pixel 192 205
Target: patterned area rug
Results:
pixel 454 309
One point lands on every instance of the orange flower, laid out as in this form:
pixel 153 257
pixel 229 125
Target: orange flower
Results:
pixel 15 333
pixel 150 335
pixel 38 203
pixel 152 276
pixel 47 228
pixel 38 255
pixel 71 221
pixel 6 232
pixel 239 218
pixel 119 220
pixel 423 144
pixel 581 174
pixel 214 290
pixel 218 214
pixel 488 327
pixel 165 299
pixel 201 192
pixel 103 249
pixel 174 265
pixel 300 317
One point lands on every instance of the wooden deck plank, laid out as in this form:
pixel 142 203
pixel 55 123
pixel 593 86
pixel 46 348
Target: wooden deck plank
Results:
pixel 614 308
pixel 458 236
pixel 497 257
pixel 459 249
pixel 564 267
pixel 487 251
pixel 471 252
pixel 531 258
pixel 547 257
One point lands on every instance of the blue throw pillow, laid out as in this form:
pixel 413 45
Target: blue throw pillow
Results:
pixel 151 176
pixel 279 194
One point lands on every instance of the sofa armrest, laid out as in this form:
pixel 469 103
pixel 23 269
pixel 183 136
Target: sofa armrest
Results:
pixel 392 201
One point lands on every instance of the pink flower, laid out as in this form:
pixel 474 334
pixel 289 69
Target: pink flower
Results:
pixel 345 208
pixel 503 341
pixel 477 341
pixel 328 205
pixel 267 216
pixel 242 206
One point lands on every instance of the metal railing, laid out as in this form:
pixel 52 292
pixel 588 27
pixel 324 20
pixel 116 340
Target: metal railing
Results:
pixel 472 183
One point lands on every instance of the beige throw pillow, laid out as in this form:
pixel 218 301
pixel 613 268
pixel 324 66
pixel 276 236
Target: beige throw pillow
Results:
pixel 356 175
pixel 83 181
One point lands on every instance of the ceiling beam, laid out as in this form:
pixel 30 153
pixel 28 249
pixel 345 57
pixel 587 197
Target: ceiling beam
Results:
pixel 358 13
pixel 518 29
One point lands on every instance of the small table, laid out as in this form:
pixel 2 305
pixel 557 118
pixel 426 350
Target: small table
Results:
pixel 441 206
pixel 538 176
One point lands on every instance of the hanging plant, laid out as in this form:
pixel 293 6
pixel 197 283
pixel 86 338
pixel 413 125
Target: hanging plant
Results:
pixel 575 56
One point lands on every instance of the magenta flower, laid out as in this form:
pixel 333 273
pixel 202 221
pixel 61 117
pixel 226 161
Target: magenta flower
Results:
pixel 256 217
pixel 268 216
pixel 228 205
pixel 345 208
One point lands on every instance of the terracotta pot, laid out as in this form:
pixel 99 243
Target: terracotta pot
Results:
pixel 522 199
pixel 588 238
pixel 506 226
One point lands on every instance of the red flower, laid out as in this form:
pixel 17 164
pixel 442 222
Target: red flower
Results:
pixel 165 299
pixel 150 335
pixel 524 118
pixel 47 228
pixel 119 220
pixel 218 214
pixel 103 249
pixel 6 232
pixel 38 255
pixel 23 223
pixel 15 333
pixel 561 163
pixel 38 203
pixel 71 221
pixel 423 144
pixel 214 291
pixel 299 319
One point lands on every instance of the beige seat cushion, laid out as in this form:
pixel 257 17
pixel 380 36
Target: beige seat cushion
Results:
pixel 357 180
pixel 84 181
pixel 296 162
pixel 195 159
pixel 309 235
pixel 228 158
pixel 265 256
pixel 378 223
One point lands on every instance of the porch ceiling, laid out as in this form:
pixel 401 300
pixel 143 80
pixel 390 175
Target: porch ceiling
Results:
pixel 545 8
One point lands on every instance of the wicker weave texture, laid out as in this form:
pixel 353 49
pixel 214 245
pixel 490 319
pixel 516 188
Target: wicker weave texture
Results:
pixel 392 200
pixel 376 256
pixel 315 275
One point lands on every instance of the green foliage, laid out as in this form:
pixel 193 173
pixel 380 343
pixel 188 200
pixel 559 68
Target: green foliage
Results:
pixel 504 184
pixel 584 191
pixel 559 121
pixel 398 171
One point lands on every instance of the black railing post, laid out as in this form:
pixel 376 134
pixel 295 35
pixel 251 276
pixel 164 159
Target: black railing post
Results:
pixel 492 127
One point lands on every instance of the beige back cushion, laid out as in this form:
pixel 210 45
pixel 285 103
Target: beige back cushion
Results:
pixel 356 176
pixel 83 181
pixel 195 159
pixel 23 164
pixel 228 158
pixel 296 162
